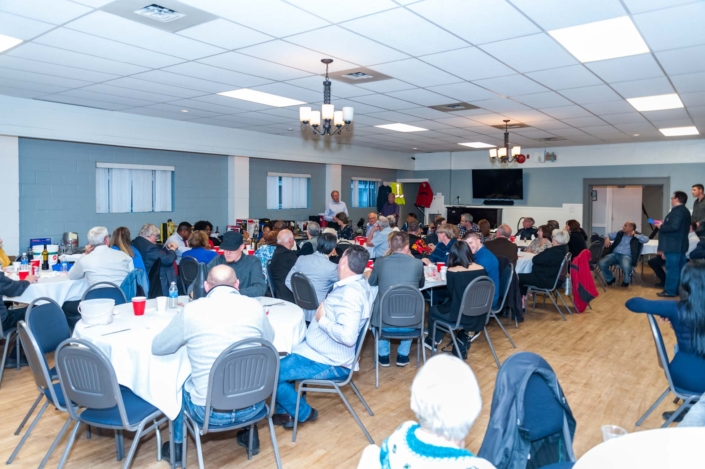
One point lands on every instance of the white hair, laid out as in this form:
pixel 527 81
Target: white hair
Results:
pixel 505 230
pixel 466 217
pixel 148 230
pixel 561 236
pixel 330 230
pixel 313 228
pixel 383 222
pixel 96 235
pixel 445 397
pixel 284 236
pixel 392 220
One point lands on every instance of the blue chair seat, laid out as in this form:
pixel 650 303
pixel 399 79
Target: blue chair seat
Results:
pixel 543 414
pixel 257 417
pixel 59 395
pixel 560 465
pixel 137 409
pixel 688 373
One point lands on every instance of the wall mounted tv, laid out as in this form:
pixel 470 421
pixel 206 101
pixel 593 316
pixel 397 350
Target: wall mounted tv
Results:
pixel 498 184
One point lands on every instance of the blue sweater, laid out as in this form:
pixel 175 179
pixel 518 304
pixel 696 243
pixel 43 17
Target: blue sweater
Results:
pixel 440 254
pixel 489 261
pixel 201 254
pixel 136 260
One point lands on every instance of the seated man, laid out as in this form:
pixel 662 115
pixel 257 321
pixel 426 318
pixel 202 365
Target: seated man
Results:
pixel 417 243
pixel 431 236
pixel 378 239
pixel 247 268
pixel 371 222
pixel 466 225
pixel 283 259
pixel 100 264
pixel 180 237
pixel 624 252
pixel 150 252
pixel 528 232
pixel 391 207
pixel 318 268
pixel 409 218
pixel 207 327
pixel 501 246
pixel 329 348
pixel 10 317
pixel 447 236
pixel 313 231
pixel 399 268
pixel 484 257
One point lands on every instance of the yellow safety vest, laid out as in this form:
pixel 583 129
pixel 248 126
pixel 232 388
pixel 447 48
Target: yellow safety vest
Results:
pixel 398 193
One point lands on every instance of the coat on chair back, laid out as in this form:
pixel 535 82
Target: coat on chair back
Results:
pixel 582 283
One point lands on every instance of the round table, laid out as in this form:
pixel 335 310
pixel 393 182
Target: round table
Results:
pixel 52 285
pixel 524 262
pixel 127 342
pixel 651 247
pixel 663 448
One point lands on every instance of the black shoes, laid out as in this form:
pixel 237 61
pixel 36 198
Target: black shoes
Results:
pixel 625 284
pixel 611 282
pixel 166 453
pixel 287 421
pixel 243 439
pixel 384 360
pixel 663 294
pixel 428 343
pixel 402 360
pixel 667 415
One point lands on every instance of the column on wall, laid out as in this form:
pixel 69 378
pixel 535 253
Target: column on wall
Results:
pixel 238 188
pixel 334 178
pixel 10 194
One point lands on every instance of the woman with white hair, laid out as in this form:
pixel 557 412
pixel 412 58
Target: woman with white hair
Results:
pixel 446 399
pixel 546 266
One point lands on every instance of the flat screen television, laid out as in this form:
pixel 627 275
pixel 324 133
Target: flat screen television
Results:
pixel 502 184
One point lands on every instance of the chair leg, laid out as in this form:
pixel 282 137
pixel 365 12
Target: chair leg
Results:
pixel 376 361
pixel 433 339
pixel 651 409
pixel 275 445
pixel 172 445
pixel 362 400
pixel 489 342
pixel 72 438
pixel 184 444
pixel 119 445
pixel 504 330
pixel 455 345
pixel 158 433
pixel 422 348
pixel 133 446
pixel 555 304
pixel 18 348
pixel 357 419
pixel 249 442
pixel 26 417
pixel 570 311
pixel 8 341
pixel 55 444
pixel 29 430
pixel 296 414
pixel 199 448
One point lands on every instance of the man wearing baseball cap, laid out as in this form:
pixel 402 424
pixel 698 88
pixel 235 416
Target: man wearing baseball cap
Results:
pixel 247 268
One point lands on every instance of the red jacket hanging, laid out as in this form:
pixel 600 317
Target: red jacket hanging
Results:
pixel 583 284
pixel 424 198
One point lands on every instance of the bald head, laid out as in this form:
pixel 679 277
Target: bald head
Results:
pixel 221 275
pixel 285 238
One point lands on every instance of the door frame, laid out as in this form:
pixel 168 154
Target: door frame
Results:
pixel 588 184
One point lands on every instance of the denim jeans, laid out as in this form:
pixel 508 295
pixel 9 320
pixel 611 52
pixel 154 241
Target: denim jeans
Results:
pixel 404 346
pixel 294 368
pixel 674 264
pixel 217 419
pixel 622 260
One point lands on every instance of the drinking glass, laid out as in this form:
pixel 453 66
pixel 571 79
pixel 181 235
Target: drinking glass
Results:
pixel 610 432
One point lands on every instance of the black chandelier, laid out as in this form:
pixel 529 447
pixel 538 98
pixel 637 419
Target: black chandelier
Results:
pixel 503 154
pixel 332 121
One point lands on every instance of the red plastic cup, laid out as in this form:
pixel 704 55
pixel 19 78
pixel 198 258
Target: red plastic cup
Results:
pixel 138 304
pixel 370 264
pixel 512 238
pixel 23 274
pixel 251 252
pixel 439 265
pixel 35 266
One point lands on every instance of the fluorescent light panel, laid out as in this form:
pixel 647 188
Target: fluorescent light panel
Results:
pixel 401 127
pixel 602 40
pixel 8 42
pixel 679 131
pixel 262 98
pixel 477 145
pixel 656 103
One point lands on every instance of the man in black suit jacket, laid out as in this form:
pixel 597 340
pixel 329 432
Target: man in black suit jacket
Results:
pixel 283 259
pixel 673 242
pixel 501 246
pixel 150 252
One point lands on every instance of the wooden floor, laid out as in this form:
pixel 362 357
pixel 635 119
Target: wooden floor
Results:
pixel 604 359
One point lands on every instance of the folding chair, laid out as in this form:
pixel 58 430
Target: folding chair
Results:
pixel 305 295
pixel 688 397
pixel 596 250
pixel 188 271
pixel 105 290
pixel 562 273
pixel 334 385
pixel 9 336
pixel 505 282
pixel 270 284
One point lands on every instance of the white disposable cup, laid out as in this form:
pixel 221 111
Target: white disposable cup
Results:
pixel 444 271
pixel 16 265
pixel 161 303
pixel 610 432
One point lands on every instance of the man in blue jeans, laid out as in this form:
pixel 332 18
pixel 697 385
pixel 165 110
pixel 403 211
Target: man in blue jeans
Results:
pixel 207 327
pixel 328 351
pixel 673 242
pixel 624 252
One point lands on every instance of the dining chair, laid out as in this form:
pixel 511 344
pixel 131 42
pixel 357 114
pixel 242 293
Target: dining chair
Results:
pixel 560 278
pixel 305 295
pixel 188 271
pixel 106 290
pixel 10 336
pixel 270 283
pixel 505 283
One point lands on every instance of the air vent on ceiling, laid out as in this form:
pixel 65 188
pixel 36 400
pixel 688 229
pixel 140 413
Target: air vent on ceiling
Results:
pixel 510 126
pixel 550 139
pixel 453 107
pixel 358 75
pixel 159 13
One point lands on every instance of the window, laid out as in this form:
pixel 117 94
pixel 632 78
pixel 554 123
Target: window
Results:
pixel 363 192
pixel 123 188
pixel 287 191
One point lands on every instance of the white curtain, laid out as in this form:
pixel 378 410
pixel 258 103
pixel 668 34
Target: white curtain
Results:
pixel 102 194
pixel 287 192
pixel 141 190
pixel 300 192
pixel 355 196
pixel 120 190
pixel 162 191
pixel 272 192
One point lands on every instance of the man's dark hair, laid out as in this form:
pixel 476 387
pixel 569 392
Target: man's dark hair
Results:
pixel 681 196
pixel 412 226
pixel 202 225
pixel 699 186
pixel 412 215
pixel 357 258
pixel 326 243
pixel 184 225
pixel 398 241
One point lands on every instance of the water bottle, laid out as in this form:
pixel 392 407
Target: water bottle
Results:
pixel 24 260
pixel 173 296
pixel 64 266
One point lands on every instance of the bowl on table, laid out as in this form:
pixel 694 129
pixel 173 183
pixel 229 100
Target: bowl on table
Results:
pixel 96 312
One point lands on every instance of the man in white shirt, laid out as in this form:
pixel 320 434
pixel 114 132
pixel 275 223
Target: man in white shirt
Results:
pixel 334 207
pixel 371 220
pixel 207 327
pixel 183 231
pixel 330 346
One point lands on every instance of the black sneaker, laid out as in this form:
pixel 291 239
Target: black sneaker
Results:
pixel 311 418
pixel 625 284
pixel 383 360
pixel 463 344
pixel 667 415
pixel 428 343
pixel 243 439
pixel 402 360
pixel 177 449
pixel 611 282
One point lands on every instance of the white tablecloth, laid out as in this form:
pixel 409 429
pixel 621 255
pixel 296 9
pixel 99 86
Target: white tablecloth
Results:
pixel 663 448
pixel 650 248
pixel 59 289
pixel 522 243
pixel 158 380
pixel 524 263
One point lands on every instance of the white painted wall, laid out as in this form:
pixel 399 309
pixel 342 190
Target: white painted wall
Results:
pixel 10 194
pixel 334 180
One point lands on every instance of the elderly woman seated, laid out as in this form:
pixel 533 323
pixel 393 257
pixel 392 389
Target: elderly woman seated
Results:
pixel 446 399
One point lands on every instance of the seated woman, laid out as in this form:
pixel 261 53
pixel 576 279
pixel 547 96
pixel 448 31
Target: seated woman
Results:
pixel 485 234
pixel 447 238
pixel 345 231
pixel 122 241
pixel 461 271
pixel 546 266
pixel 266 250
pixel 445 397
pixel 263 233
pixel 687 317
pixel 200 248
pixel 577 244
pixel 207 227
pixel 542 240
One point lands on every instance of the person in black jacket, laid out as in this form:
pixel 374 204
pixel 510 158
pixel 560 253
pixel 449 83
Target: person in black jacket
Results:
pixel 283 260
pixel 313 231
pixel 150 252
pixel 576 244
pixel 10 318
pixel 528 232
pixel 673 242
pixel 546 266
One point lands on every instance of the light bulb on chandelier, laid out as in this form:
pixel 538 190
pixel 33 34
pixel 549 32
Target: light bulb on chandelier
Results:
pixel 504 154
pixel 332 121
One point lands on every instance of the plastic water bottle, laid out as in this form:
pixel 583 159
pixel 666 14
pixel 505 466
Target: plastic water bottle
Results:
pixel 173 296
pixel 24 260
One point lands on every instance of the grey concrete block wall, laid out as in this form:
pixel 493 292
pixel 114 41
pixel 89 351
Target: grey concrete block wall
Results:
pixel 57 188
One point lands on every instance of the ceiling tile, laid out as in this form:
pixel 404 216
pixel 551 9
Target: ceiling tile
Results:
pixel 426 113
pixel 566 112
pixel 469 112
pixel 347 45
pixel 469 63
pixel 549 125
pixel 489 119
pixel 206 72
pixel 148 111
pixel 393 116
pixel 57 98
pixel 464 92
pixel 253 66
pixel 192 113
pixel 31 77
pixel 20 93
pixel 590 94
pixel 602 130
pixel 385 102
pixel 21 28
pixel 360 108
pixel 665 124
pixel 527 117
pixel 333 12
pixel 563 78
pixel 31 86
pixel 513 85
pixel 635 67
pixel 129 93
pixel 570 132
pixel 690 83
pixel 411 33
pixel 48 11
pixel 421 97
pixel 626 118
pixel 539 100
pixel 386 86
pixel 429 124
pixel 640 6
pixel 151 87
pixel 338 89
pixel 685 60
pixel 501 105
pixel 556 14
pixel 183 81
pixel 17 63
pixel 530 53
pixel 693 99
pixel 478 21
pixel 698 111
pixel 220 104
pixel 641 88
pixel 109 26
pixel 461 122
pixel 107 98
pixel 416 72
pixel 93 3
pixel 370 120
pixel 292 92
pixel 225 34
pixel 52 55
pixel 609 107
pixel 294 56
pixel 584 121
pixel 666 115
pixel 675 27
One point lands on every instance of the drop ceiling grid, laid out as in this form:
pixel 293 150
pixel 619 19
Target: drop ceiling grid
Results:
pixel 523 73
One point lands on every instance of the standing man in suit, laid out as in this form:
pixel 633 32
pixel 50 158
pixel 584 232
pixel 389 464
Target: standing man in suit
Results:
pixel 502 246
pixel 673 242
pixel 283 259
pixel 399 268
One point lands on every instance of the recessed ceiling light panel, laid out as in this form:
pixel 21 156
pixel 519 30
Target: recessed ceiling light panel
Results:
pixel 8 42
pixel 656 103
pixel 262 98
pixel 401 127
pixel 679 131
pixel 602 40
pixel 477 145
